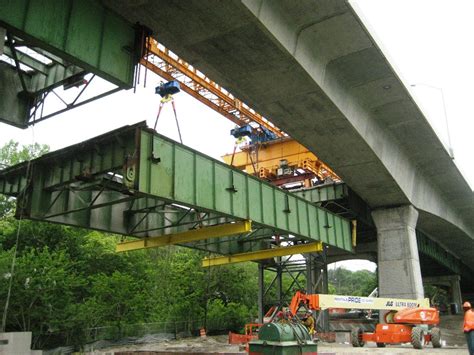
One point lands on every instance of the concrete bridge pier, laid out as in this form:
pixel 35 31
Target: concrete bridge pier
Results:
pixel 399 269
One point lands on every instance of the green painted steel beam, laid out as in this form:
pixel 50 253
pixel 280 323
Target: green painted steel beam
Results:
pixel 324 193
pixel 29 61
pixel 432 249
pixel 178 173
pixel 84 33
pixel 341 193
pixel 135 182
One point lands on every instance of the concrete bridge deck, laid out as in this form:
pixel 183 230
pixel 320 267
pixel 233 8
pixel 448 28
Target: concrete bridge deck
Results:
pixel 316 71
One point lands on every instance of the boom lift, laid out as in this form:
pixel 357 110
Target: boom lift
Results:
pixel 408 321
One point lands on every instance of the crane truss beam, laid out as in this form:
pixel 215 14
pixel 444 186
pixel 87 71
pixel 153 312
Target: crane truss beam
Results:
pixel 167 65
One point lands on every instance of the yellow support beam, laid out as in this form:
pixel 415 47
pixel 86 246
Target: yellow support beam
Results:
pixel 354 233
pixel 263 254
pixel 217 231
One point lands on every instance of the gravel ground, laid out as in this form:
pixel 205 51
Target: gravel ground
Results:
pixel 218 345
pixel 342 349
pixel 451 330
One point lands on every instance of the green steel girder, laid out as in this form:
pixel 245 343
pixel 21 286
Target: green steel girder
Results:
pixel 135 182
pixel 44 77
pixel 83 32
pixel 28 60
pixel 324 193
pixel 432 249
pixel 350 204
pixel 78 37
pixel 177 173
pixel 340 192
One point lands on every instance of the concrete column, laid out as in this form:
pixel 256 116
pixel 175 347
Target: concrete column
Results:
pixel 261 291
pixel 3 33
pixel 456 292
pixel 398 261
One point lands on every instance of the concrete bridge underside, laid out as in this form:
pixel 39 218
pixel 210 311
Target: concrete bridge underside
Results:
pixel 313 68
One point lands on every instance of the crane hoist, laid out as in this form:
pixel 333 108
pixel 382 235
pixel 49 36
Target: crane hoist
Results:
pixel 272 154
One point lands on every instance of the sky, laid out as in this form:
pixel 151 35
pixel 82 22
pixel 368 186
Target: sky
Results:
pixel 428 42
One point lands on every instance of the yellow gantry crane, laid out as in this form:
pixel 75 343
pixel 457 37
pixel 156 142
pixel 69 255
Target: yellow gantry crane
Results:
pixel 281 161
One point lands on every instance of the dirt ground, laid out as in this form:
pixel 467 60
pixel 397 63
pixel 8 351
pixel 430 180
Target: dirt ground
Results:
pixel 341 349
pixel 451 330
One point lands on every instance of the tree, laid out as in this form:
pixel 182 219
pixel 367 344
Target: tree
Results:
pixel 43 287
pixel 117 299
pixel 354 283
pixel 10 154
pixel 68 280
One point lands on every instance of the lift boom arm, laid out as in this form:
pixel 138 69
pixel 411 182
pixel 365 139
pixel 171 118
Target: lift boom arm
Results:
pixel 321 301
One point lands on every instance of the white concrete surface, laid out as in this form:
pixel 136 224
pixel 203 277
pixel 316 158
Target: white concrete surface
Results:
pixel 398 261
pixel 17 343
pixel 315 70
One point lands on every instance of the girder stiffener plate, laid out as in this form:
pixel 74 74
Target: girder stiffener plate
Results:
pixel 135 182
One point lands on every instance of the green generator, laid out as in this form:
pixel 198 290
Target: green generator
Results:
pixel 283 338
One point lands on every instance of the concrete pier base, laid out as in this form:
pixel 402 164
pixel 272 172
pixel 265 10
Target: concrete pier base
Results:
pixel 17 343
pixel 3 33
pixel 398 261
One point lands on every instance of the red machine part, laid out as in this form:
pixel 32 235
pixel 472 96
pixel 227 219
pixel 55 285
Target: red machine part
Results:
pixel 389 334
pixel 311 301
pixel 403 328
pixel 417 316
pixel 250 334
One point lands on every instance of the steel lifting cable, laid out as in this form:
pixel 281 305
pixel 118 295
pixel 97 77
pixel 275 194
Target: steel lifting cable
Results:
pixel 163 101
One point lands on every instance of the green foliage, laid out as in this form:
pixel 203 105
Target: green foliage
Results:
pixel 68 280
pixel 354 283
pixel 230 316
pixel 43 288
pixel 437 295
pixel 11 154
pixel 116 298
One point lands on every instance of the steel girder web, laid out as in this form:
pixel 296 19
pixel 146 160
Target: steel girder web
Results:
pixel 52 43
pixel 135 182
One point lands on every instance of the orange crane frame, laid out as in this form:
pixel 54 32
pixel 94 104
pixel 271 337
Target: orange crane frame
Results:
pixel 169 66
